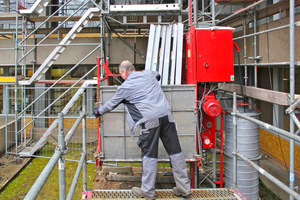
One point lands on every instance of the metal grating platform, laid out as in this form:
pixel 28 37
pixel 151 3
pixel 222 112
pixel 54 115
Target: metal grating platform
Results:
pixel 168 194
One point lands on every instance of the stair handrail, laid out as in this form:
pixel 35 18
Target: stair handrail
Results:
pixel 83 59
pixel 58 98
pixel 65 110
pixel 54 30
pixel 29 11
pixel 44 22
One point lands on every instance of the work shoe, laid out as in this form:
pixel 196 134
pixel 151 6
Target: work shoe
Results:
pixel 177 192
pixel 136 191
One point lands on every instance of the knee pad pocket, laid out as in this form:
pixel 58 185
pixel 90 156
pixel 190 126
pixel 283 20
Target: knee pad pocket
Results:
pixel 143 141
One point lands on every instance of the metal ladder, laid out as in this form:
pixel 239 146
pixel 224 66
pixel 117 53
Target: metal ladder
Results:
pixel 61 47
pixel 29 151
pixel 160 57
pixel 36 9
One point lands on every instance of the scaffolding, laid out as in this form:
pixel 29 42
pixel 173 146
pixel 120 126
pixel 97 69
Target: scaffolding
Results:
pixel 26 22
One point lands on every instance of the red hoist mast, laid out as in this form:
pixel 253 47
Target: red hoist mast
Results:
pixel 208 60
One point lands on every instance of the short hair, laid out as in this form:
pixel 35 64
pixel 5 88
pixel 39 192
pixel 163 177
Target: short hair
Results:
pixel 127 66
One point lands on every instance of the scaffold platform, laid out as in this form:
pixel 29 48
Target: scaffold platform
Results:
pixel 199 194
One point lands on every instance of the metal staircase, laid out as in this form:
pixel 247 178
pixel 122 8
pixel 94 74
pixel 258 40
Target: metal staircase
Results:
pixel 36 9
pixel 29 151
pixel 61 47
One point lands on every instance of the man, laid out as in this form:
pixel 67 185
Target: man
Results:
pixel 147 106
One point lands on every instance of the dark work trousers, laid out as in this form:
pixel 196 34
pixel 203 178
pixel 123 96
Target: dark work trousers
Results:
pixel 165 129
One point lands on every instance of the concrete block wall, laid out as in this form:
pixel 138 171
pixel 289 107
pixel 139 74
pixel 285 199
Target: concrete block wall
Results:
pixel 119 51
pixel 272 46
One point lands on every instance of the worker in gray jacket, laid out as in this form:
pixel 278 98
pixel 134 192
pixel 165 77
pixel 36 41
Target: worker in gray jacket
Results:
pixel 147 106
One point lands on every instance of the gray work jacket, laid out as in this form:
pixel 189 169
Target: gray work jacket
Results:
pixel 142 97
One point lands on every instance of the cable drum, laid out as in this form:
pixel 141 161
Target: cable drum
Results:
pixel 248 145
pixel 247 134
pixel 247 177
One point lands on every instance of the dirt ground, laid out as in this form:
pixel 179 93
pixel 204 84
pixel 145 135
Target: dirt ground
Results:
pixel 10 167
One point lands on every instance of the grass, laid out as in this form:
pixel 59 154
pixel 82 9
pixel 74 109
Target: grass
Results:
pixel 18 188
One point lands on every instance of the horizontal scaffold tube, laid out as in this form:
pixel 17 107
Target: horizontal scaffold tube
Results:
pixel 267 127
pixel 238 12
pixel 74 127
pixel 41 180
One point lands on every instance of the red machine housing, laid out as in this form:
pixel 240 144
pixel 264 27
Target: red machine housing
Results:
pixel 209 55
pixel 212 109
pixel 208 59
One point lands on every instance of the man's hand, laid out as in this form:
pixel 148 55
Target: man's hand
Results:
pixel 96 112
pixel 157 77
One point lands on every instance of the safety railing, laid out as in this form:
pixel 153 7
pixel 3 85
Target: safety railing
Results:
pixel 59 157
pixel 25 142
pixel 237 155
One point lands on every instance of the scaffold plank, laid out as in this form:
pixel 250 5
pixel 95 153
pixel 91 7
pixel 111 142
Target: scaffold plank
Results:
pixel 162 50
pixel 174 53
pixel 147 7
pixel 168 194
pixel 165 74
pixel 179 55
pixel 151 40
pixel 9 16
pixel 271 96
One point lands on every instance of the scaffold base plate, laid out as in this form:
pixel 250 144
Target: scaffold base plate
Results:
pixel 222 193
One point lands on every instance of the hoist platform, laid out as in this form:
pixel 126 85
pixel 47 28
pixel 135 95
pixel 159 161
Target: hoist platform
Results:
pixel 220 193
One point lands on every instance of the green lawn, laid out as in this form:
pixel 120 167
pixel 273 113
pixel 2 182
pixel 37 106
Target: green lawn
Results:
pixel 18 188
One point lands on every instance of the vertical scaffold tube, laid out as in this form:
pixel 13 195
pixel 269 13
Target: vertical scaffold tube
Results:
pixel 190 12
pixel 292 92
pixel 61 161
pixel 98 104
pixel 213 12
pixel 255 49
pixel 16 78
pixel 84 149
pixel 234 142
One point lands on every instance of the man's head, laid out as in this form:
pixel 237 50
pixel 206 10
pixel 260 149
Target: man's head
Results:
pixel 125 68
